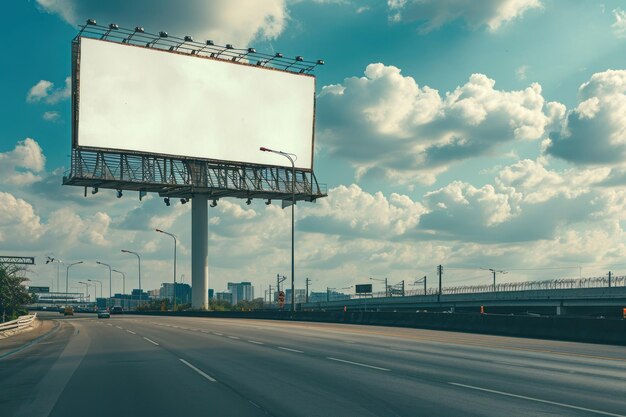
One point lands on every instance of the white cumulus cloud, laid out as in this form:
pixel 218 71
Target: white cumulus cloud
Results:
pixel 538 184
pixel 44 91
pixel 385 123
pixel 18 222
pixel 436 13
pixel 51 116
pixel 595 131
pixel 225 21
pixel 351 211
pixel 22 165
pixel 619 26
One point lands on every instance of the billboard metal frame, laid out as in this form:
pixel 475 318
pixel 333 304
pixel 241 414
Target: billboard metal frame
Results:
pixel 17 260
pixel 176 176
pixel 189 178
pixel 184 178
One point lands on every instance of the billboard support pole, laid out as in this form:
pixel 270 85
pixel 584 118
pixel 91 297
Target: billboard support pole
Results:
pixel 199 252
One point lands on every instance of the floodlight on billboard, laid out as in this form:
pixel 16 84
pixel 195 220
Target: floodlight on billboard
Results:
pixel 159 101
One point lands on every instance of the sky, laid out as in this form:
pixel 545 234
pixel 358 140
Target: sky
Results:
pixel 469 134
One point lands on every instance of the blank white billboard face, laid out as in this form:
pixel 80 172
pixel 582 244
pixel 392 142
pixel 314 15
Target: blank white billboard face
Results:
pixel 145 100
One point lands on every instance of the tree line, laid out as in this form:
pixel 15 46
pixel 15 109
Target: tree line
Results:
pixel 13 293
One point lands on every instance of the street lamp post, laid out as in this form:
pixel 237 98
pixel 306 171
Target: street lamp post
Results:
pixel 86 284
pixel 386 285
pixel 138 260
pixel 110 286
pixel 493 272
pixel 175 241
pixel 67 278
pixel 58 262
pixel 293 204
pixel 123 287
pixel 99 282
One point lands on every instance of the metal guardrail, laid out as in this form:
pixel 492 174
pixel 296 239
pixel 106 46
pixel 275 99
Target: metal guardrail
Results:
pixel 22 322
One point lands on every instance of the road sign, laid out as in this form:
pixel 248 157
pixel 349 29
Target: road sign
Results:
pixel 363 288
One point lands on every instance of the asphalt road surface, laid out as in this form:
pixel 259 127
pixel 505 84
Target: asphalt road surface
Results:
pixel 167 366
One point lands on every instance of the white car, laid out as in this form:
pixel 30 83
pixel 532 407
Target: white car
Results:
pixel 103 314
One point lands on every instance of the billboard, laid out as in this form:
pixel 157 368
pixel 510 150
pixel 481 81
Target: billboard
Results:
pixel 363 288
pixel 147 100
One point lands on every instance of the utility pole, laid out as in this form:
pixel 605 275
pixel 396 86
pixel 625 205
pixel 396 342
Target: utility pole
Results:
pixel 308 281
pixel 403 288
pixel 270 295
pixel 327 294
pixel 424 284
pixel 440 273
pixel 609 279
pixel 386 288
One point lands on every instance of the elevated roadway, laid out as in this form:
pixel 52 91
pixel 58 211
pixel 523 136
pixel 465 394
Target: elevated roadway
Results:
pixel 550 301
pixel 157 366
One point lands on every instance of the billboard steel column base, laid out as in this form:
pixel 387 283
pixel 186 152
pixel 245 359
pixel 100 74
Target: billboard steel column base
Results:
pixel 199 252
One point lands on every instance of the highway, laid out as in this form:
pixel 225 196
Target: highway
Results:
pixel 174 366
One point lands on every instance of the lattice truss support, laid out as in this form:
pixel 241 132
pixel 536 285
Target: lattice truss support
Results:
pixel 184 178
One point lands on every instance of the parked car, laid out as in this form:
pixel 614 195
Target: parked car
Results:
pixel 116 310
pixel 103 314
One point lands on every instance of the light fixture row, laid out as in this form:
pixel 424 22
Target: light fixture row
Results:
pixel 278 60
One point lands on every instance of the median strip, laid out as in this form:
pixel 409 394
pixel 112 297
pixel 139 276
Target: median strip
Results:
pixel 198 370
pixel 523 397
pixel 151 341
pixel 359 364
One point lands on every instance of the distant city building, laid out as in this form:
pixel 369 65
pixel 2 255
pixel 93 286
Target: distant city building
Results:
pixel 224 296
pixel 318 297
pixel 156 293
pixel 211 293
pixel 241 291
pixel 183 292
pixel 127 301
pixel 101 303
pixel 300 296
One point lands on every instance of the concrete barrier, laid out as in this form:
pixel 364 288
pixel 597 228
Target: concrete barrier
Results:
pixel 606 331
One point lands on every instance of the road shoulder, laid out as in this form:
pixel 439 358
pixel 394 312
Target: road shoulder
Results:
pixel 21 341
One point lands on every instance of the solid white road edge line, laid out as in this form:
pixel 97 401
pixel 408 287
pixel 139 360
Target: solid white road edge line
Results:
pixel 359 364
pixel 290 350
pixel 198 370
pixel 604 413
pixel 151 341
